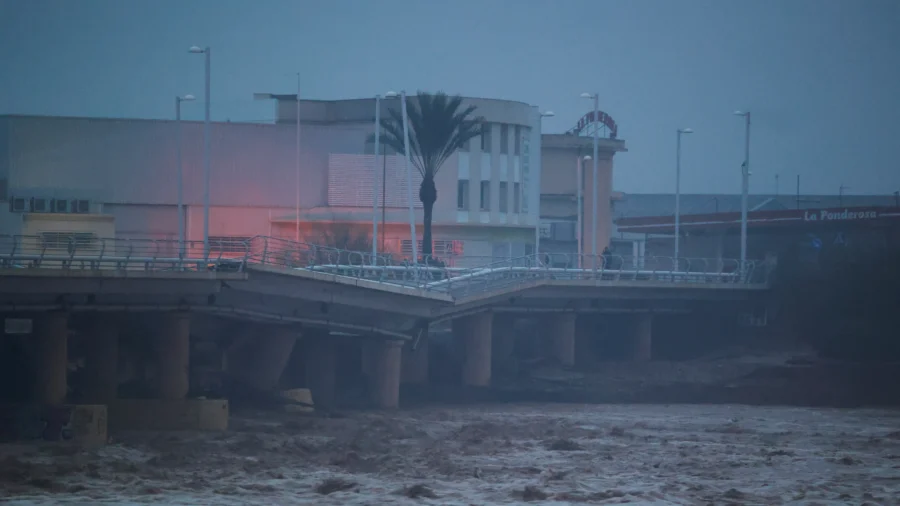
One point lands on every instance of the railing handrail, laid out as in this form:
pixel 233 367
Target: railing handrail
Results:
pixel 429 274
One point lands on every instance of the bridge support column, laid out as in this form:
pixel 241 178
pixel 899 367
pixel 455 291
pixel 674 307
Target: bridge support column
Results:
pixel 415 362
pixel 320 367
pixel 101 361
pixel 386 391
pixel 474 332
pixel 173 343
pixel 503 338
pixel 561 330
pixel 51 333
pixel 262 358
pixel 585 335
pixel 643 337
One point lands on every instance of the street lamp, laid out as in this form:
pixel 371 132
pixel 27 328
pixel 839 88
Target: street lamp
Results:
pixel 537 227
pixel 409 192
pixel 596 98
pixel 678 189
pixel 178 101
pixel 579 170
pixel 389 94
pixel 269 96
pixel 206 52
pixel 745 186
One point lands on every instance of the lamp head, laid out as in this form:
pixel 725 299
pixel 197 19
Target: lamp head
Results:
pixel 548 114
pixel 390 94
pixel 587 158
pixel 187 98
pixel 686 130
pixel 196 50
pixel 587 95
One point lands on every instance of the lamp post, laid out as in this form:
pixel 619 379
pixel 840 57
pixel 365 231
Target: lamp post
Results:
pixel 269 96
pixel 678 189
pixel 745 186
pixel 409 192
pixel 206 52
pixel 537 228
pixel 579 170
pixel 179 175
pixel 596 97
pixel 389 94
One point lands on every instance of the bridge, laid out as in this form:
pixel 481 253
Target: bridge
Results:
pixel 272 290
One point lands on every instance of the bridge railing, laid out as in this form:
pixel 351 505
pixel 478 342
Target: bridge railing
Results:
pixel 73 250
pixel 464 275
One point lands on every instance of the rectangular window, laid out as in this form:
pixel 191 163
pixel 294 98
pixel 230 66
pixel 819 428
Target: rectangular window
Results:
pixel 486 138
pixel 504 197
pixel 485 195
pixel 518 141
pixel 462 194
pixel 517 199
pixel 504 139
pixel 229 244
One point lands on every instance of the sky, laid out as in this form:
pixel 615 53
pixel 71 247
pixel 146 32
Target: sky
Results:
pixel 820 77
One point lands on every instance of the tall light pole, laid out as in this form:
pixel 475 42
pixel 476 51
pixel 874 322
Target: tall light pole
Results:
pixel 297 169
pixel 579 169
pixel 745 187
pixel 179 175
pixel 537 228
pixel 389 94
pixel 596 97
pixel 409 192
pixel 678 189
pixel 206 52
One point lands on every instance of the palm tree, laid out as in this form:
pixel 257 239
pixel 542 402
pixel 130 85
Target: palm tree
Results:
pixel 438 126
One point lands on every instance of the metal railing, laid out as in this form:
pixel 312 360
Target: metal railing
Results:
pixel 81 251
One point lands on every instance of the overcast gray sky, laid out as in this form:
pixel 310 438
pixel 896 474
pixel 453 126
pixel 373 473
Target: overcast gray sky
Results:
pixel 821 77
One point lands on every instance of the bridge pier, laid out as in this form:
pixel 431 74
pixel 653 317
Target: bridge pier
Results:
pixel 643 337
pixel 561 330
pixel 414 363
pixel 101 360
pixel 51 332
pixel 475 333
pixel 503 338
pixel 386 372
pixel 319 353
pixel 173 343
pixel 261 359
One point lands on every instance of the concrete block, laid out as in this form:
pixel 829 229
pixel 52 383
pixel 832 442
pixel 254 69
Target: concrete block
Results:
pixel 169 414
pixel 81 424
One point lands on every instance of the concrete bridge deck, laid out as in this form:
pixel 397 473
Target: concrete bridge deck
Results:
pixel 280 290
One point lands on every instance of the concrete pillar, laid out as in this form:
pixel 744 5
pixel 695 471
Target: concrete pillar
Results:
pixel 367 357
pixel 415 362
pixel 561 332
pixel 263 355
pixel 101 360
pixel 51 333
pixel 586 333
pixel 503 338
pixel 474 332
pixel 643 337
pixel 320 367
pixel 173 345
pixel 386 381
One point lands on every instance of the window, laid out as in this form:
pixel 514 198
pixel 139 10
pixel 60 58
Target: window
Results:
pixel 518 141
pixel 440 248
pixel 485 195
pixel 517 197
pixel 504 197
pixel 462 194
pixel 486 139
pixel 504 139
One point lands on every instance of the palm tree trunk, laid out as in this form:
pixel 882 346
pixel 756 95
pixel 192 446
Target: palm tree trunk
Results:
pixel 428 196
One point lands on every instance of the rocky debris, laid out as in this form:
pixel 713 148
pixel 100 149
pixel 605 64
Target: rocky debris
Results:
pixel 332 485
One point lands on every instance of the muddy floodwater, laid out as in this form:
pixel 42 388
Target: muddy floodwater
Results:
pixel 485 455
